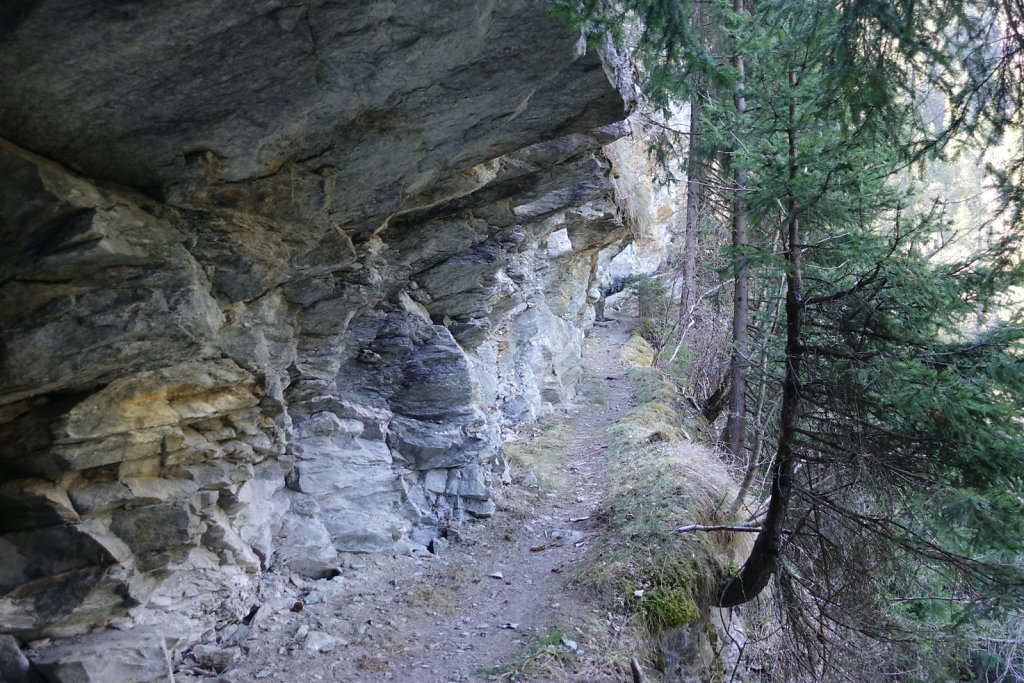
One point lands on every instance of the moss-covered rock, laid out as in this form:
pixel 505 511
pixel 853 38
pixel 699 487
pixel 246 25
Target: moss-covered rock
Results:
pixel 638 351
pixel 668 608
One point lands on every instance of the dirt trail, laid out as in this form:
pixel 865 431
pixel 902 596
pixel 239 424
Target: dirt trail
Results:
pixel 483 603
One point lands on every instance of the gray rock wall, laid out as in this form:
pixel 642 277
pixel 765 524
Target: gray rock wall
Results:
pixel 274 278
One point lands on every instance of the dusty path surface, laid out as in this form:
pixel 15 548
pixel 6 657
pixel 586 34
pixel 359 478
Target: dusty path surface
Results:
pixel 481 608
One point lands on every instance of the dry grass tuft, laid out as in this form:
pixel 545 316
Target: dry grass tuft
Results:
pixel 638 351
pixel 541 454
pixel 641 566
pixel 373 663
pixel 607 643
pixel 633 189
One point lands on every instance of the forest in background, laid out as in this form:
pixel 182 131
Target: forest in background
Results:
pixel 847 301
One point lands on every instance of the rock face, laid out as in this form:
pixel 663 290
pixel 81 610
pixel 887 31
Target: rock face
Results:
pixel 274 278
pixel 652 196
pixel 137 657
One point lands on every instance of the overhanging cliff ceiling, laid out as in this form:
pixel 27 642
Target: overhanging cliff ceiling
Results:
pixel 369 102
pixel 274 279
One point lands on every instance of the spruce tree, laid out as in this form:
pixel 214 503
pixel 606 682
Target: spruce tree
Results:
pixel 896 478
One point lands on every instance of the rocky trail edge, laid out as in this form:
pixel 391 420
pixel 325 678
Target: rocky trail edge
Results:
pixel 494 602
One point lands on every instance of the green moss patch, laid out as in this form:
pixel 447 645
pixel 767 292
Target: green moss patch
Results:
pixel 638 351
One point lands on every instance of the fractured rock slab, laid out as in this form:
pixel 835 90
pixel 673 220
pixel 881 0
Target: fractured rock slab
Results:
pixel 138 656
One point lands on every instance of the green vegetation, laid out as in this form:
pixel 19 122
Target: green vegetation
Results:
pixel 660 482
pixel 544 652
pixel 655 310
pixel 598 395
pixel 638 352
pixel 668 608
pixel 541 454
pixel 891 465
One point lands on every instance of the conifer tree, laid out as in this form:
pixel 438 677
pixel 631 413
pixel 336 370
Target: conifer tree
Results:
pixel 897 473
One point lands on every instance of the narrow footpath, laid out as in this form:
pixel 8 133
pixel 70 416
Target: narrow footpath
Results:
pixel 497 603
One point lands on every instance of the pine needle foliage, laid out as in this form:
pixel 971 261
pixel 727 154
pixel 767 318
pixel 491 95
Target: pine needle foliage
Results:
pixel 904 498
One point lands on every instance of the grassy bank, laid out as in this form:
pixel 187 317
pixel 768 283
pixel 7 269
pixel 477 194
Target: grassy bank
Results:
pixel 660 480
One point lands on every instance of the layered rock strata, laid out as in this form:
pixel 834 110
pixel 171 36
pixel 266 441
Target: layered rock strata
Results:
pixel 274 278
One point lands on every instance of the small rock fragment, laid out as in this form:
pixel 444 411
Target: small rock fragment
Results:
pixel 214 658
pixel 314 598
pixel 318 641
pixel 13 664
pixel 567 535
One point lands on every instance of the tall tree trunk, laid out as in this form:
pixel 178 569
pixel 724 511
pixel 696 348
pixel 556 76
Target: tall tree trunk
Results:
pixel 736 427
pixel 693 196
pixel 764 558
pixel 759 413
pixel 692 219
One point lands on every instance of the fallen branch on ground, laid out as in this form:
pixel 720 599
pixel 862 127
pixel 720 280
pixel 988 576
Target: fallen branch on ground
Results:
pixel 719 527
pixel 638 674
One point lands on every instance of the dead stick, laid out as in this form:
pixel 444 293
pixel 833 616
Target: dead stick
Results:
pixel 721 527
pixel 725 527
pixel 638 674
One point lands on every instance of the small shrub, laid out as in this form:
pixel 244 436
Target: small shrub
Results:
pixel 655 311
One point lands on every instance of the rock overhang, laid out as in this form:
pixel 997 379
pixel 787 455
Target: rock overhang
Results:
pixel 358 108
pixel 246 242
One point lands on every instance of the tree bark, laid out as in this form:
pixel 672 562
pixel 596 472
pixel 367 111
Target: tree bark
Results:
pixel 713 405
pixel 764 558
pixel 736 427
pixel 693 195
pixel 761 394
